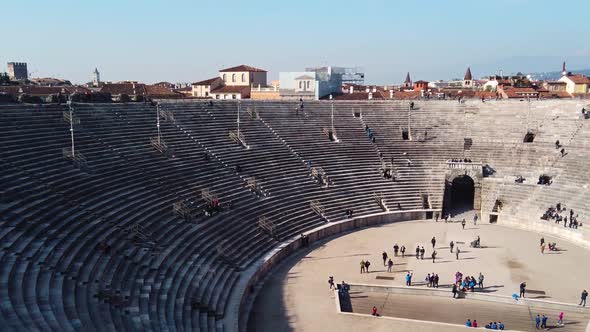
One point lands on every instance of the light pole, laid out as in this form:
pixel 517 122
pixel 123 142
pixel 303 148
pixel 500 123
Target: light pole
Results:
pixel 71 109
pixel 239 120
pixel 332 104
pixel 158 120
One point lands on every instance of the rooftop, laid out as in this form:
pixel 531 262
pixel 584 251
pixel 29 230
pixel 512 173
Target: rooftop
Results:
pixel 243 68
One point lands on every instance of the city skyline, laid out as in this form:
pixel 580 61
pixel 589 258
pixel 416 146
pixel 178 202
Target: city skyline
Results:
pixel 190 41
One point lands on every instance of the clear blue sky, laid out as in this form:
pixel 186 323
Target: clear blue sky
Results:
pixel 184 41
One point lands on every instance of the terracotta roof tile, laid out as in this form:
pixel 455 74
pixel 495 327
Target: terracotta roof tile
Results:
pixel 579 79
pixel 207 82
pixel 243 68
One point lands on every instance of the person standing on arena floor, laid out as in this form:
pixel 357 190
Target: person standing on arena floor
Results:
pixel 403 250
pixel 367 264
pixel 480 280
pixel 436 280
pixel 463 223
pixel 389 265
pixel 538 321
pixel 417 252
pixel 544 322
pixel 362 266
pixel 475 220
pixel 422 252
pixel 433 256
pixel 409 279
pixel 452 244
pixel 331 283
pixel 384 254
pixel 433 241
pixel 584 296
pixel 560 319
pixel 522 288
pixel 455 290
pixel 457 253
pixel 395 249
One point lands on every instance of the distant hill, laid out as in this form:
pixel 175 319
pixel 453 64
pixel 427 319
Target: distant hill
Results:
pixel 555 75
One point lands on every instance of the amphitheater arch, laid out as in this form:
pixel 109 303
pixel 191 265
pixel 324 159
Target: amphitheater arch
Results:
pixel 462 191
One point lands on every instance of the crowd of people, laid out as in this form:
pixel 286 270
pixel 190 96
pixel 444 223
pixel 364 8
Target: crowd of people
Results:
pixel 558 213
pixel 462 283
pixel 491 326
pixel 466 284
pixel 464 160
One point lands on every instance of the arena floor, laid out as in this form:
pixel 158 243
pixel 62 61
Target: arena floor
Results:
pixel 296 297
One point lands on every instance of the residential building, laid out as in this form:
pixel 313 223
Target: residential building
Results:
pixel 348 75
pixel 203 89
pixel 243 75
pixel 420 85
pixel 232 83
pixel 576 84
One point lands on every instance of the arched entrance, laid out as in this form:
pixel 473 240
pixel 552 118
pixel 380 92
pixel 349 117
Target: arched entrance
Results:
pixel 459 195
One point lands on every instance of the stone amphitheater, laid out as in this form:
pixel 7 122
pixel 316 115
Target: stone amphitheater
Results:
pixel 117 232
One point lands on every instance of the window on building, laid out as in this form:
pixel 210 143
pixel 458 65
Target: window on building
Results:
pixel 233 77
pixel 300 85
pixel 224 78
pixel 233 96
pixel 243 77
pixel 216 96
pixel 206 94
pixel 307 84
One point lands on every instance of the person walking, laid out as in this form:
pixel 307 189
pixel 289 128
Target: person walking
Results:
pixel 480 280
pixel 433 241
pixel 417 252
pixel 362 266
pixel 560 319
pixel 522 288
pixel 395 249
pixel 384 254
pixel 389 265
pixel 543 248
pixel 538 321
pixel 457 253
pixel 455 290
pixel 331 283
pixel 583 297
pixel 422 252
pixel 436 280
pixel 463 223
pixel 403 251
pixel 433 256
pixel 367 264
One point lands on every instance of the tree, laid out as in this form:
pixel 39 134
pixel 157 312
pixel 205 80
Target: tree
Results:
pixel 4 79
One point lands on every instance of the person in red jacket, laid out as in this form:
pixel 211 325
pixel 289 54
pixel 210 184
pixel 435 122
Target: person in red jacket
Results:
pixel 374 311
